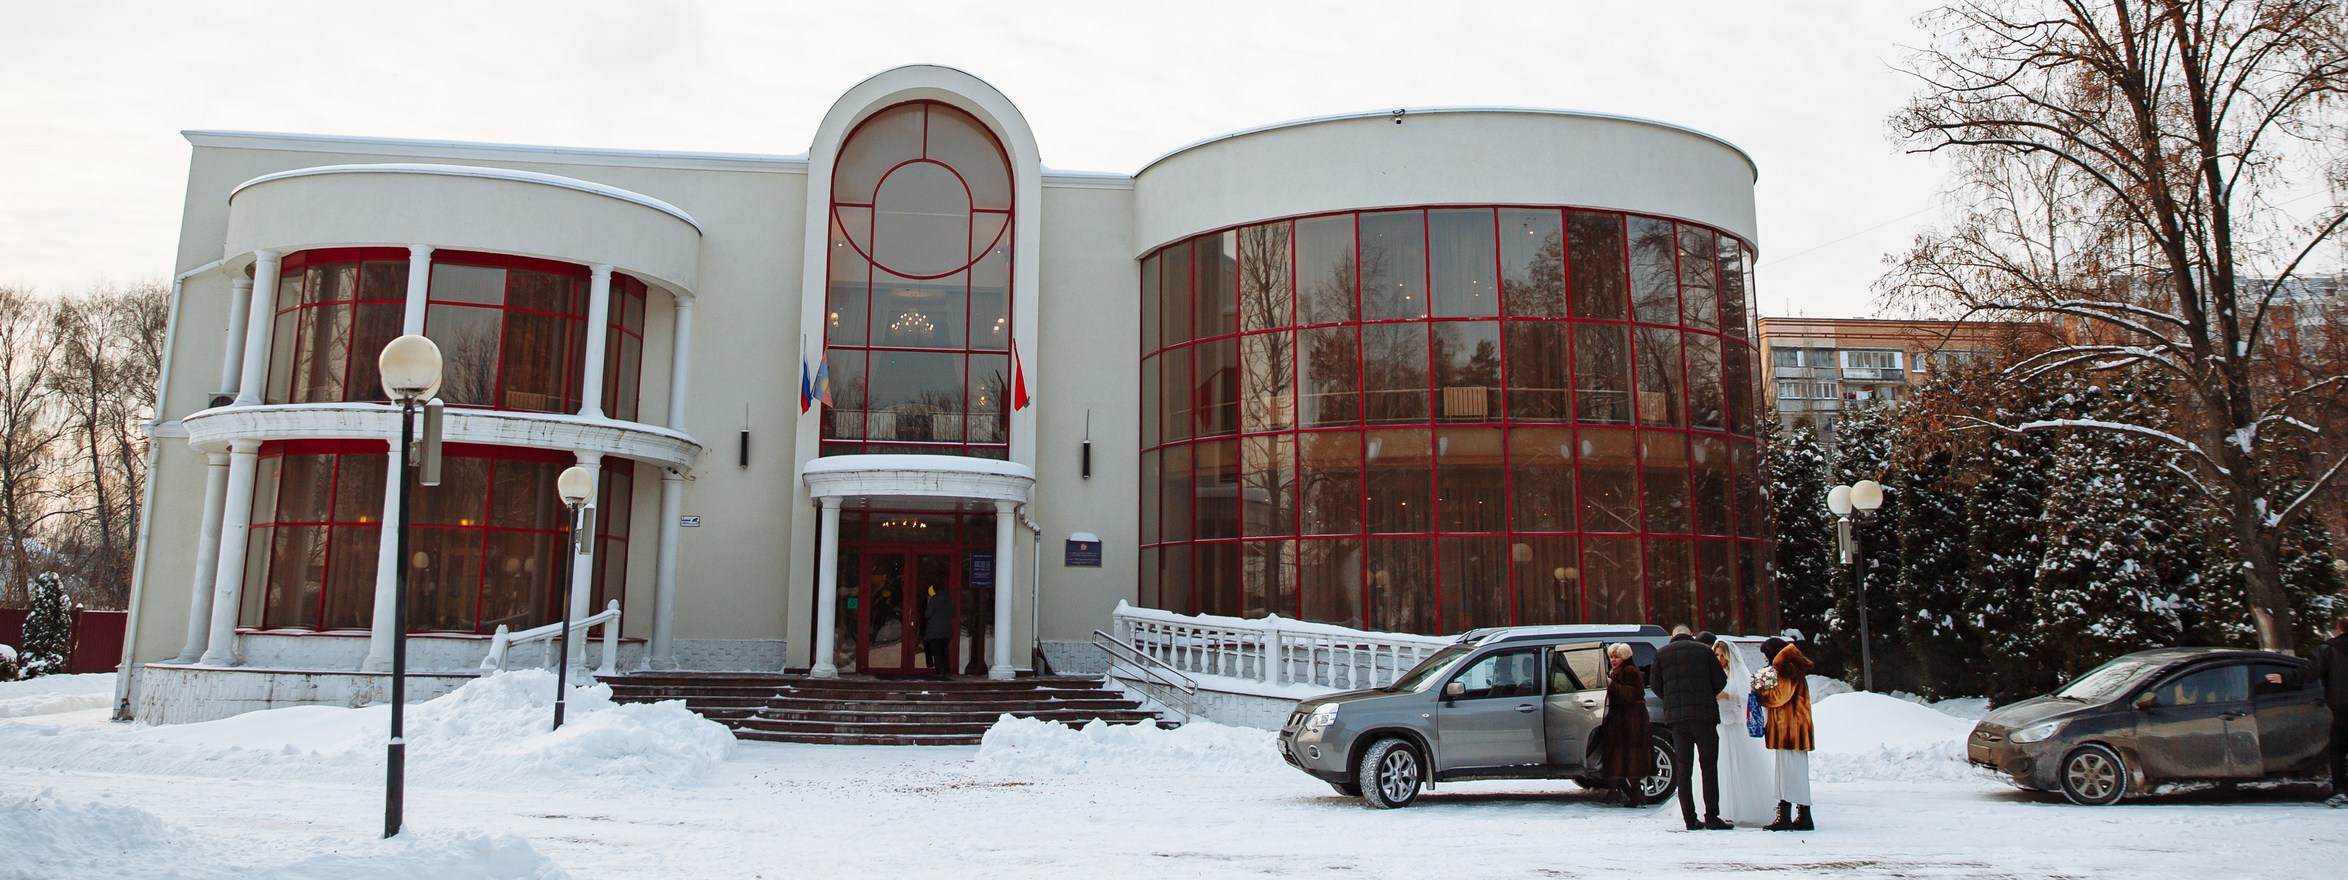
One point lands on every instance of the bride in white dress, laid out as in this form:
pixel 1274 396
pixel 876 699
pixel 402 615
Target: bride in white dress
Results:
pixel 1747 793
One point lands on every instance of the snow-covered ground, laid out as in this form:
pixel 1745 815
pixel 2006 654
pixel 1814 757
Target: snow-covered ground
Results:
pixel 651 791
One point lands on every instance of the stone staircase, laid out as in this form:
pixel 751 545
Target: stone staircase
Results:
pixel 877 711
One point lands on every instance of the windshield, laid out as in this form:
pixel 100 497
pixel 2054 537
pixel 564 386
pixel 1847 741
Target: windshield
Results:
pixel 1429 669
pixel 2107 681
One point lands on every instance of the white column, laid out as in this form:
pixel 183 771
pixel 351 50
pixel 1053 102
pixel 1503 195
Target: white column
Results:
pixel 387 562
pixel 680 358
pixel 419 286
pixel 583 565
pixel 236 526
pixel 240 311
pixel 1006 524
pixel 664 578
pixel 827 588
pixel 255 378
pixel 598 326
pixel 207 557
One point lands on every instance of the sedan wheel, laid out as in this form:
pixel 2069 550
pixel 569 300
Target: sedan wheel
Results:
pixel 1390 774
pixel 2094 776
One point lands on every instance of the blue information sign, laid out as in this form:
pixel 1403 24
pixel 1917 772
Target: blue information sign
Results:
pixel 1084 553
pixel 982 571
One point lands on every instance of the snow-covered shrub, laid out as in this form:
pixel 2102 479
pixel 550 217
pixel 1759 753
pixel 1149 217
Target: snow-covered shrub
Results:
pixel 48 629
pixel 8 669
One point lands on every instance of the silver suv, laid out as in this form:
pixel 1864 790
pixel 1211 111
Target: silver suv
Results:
pixel 1509 703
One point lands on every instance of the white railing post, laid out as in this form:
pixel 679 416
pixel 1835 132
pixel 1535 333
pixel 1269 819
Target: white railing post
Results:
pixel 495 661
pixel 611 639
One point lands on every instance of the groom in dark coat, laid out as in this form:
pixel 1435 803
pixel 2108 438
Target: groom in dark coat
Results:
pixel 1688 679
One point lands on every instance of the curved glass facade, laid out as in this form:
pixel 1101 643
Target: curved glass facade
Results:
pixel 1436 419
pixel 487 548
pixel 511 330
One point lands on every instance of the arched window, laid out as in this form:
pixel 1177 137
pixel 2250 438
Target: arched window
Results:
pixel 918 320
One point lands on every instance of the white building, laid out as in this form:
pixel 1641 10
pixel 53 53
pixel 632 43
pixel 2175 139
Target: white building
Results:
pixel 1418 371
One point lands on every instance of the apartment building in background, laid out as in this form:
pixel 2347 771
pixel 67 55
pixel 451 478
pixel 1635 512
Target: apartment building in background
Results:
pixel 1815 369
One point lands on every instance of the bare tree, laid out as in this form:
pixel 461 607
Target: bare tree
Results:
pixel 2127 155
pixel 28 433
pixel 108 347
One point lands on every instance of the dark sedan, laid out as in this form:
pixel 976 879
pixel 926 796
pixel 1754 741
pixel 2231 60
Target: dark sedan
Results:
pixel 2153 717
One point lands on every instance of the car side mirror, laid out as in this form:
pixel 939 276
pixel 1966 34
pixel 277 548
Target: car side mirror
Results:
pixel 1452 690
pixel 2147 701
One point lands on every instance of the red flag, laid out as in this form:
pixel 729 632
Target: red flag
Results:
pixel 1019 399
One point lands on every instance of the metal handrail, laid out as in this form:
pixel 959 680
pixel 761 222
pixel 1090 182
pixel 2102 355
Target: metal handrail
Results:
pixel 1182 689
pixel 503 642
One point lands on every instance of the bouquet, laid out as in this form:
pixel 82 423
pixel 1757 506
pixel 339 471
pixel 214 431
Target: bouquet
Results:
pixel 1765 680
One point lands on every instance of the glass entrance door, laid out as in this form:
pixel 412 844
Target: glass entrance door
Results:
pixel 907 598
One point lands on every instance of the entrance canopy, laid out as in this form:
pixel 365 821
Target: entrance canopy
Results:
pixel 948 477
pixel 911 481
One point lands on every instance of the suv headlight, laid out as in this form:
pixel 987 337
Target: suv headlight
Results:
pixel 2037 732
pixel 1321 717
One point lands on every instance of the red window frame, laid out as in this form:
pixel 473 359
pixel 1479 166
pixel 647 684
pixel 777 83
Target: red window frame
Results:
pixel 292 268
pixel 860 354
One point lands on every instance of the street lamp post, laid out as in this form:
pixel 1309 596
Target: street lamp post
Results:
pixel 574 486
pixel 411 374
pixel 1856 501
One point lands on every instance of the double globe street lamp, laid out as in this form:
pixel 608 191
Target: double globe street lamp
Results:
pixel 1857 501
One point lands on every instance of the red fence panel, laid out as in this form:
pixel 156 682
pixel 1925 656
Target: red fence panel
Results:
pixel 97 640
pixel 12 627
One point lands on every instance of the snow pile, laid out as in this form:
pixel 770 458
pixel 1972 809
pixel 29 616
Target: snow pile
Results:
pixel 1028 747
pixel 1873 736
pixel 493 731
pixel 1822 687
pixel 1968 709
pixel 49 837
pixel 52 694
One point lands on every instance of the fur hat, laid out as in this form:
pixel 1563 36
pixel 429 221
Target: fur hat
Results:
pixel 1770 648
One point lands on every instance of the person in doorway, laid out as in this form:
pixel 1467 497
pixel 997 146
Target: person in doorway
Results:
pixel 2331 668
pixel 1788 733
pixel 1688 679
pixel 1628 758
pixel 1747 784
pixel 937 629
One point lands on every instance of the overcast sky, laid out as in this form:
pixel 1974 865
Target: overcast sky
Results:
pixel 94 94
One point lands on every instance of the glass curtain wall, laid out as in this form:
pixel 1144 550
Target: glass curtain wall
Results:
pixel 1432 420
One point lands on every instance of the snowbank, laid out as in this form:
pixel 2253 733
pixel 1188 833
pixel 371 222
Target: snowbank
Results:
pixel 1873 736
pixel 49 837
pixel 1028 747
pixel 52 694
pixel 491 732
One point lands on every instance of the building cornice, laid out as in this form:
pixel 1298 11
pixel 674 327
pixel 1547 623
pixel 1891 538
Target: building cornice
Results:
pixel 476 171
pixel 493 152
pixel 213 429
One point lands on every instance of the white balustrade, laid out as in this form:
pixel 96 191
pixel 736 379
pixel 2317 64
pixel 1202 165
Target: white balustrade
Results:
pixel 1272 650
pixel 503 642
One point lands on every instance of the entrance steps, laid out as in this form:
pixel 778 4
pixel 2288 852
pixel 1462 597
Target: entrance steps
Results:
pixel 877 711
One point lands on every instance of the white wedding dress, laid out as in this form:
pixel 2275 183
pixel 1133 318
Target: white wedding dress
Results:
pixel 1748 793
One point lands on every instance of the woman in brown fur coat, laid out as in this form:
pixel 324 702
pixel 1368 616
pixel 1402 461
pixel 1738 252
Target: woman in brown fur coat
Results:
pixel 1628 757
pixel 1789 733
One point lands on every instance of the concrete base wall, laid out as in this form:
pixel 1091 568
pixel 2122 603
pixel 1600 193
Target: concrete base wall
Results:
pixel 167 694
pixel 1226 707
pixel 1076 658
pixel 725 655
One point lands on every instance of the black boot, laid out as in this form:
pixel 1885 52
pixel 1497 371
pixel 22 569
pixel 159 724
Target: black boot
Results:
pixel 1802 819
pixel 1784 821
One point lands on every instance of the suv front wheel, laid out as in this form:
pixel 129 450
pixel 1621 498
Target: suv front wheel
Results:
pixel 1390 773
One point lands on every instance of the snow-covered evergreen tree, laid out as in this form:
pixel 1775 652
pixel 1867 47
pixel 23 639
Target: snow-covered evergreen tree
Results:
pixel 48 629
pixel 1867 438
pixel 1932 646
pixel 1805 534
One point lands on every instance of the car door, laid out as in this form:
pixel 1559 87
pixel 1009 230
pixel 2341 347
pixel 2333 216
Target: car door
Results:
pixel 2198 724
pixel 1576 701
pixel 1493 717
pixel 2292 717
